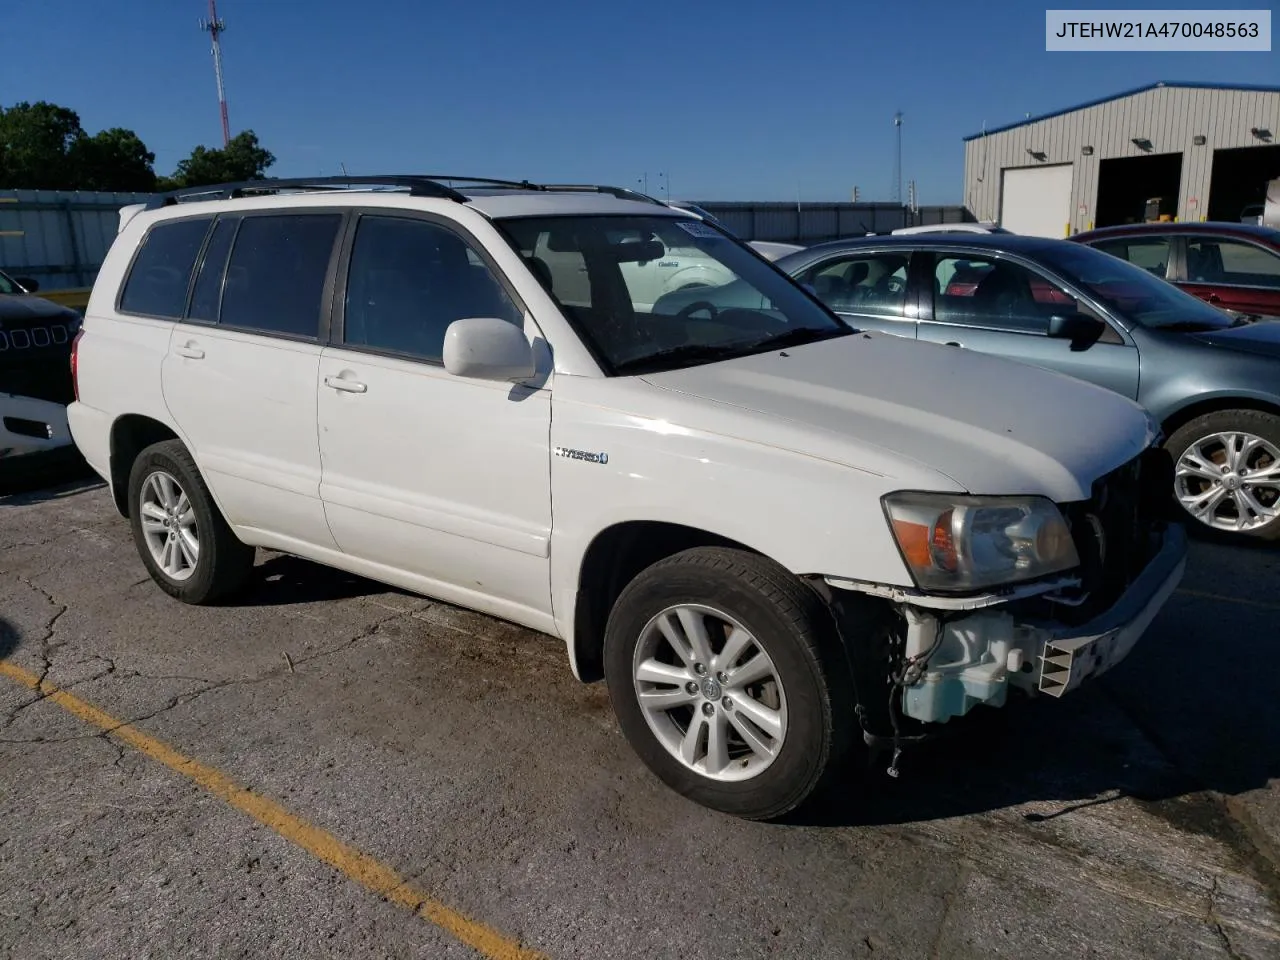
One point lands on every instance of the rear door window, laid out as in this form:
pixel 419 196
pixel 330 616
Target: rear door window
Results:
pixel 1149 253
pixel 275 277
pixel 161 273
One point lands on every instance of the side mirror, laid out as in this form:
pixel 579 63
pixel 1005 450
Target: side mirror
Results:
pixel 487 348
pixel 27 284
pixel 1076 327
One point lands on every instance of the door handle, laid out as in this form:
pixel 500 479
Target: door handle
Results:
pixel 190 351
pixel 1213 298
pixel 345 385
pixel 954 343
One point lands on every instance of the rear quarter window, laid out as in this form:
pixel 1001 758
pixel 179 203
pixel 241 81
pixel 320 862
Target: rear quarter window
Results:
pixel 161 272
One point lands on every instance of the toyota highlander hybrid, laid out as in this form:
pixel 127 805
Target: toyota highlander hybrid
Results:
pixel 772 533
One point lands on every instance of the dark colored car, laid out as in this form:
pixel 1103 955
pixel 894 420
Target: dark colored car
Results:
pixel 1234 266
pixel 35 382
pixel 1212 380
pixel 35 342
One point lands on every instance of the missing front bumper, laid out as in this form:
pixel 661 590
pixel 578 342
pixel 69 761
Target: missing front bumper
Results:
pixel 969 660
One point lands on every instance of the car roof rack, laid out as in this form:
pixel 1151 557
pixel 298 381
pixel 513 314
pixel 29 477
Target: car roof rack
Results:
pixel 622 193
pixel 419 185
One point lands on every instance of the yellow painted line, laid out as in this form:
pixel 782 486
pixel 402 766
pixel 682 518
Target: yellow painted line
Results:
pixel 364 869
pixel 1223 598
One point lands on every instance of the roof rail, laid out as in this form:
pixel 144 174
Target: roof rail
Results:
pixel 622 193
pixel 421 185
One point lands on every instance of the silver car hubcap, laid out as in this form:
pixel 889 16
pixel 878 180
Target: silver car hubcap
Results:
pixel 1230 481
pixel 169 525
pixel 710 693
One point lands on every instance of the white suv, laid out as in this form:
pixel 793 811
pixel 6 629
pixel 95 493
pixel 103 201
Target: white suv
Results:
pixel 772 534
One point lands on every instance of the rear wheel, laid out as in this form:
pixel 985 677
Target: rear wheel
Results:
pixel 1227 472
pixel 723 674
pixel 182 538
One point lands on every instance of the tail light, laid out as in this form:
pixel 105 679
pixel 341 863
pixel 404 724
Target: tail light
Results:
pixel 75 363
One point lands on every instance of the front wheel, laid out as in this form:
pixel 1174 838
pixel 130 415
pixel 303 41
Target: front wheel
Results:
pixel 1227 472
pixel 723 673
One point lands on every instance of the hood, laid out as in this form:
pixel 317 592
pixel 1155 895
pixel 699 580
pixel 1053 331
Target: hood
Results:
pixel 992 426
pixel 1262 337
pixel 21 309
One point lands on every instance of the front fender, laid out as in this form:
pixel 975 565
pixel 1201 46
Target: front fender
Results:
pixel 811 515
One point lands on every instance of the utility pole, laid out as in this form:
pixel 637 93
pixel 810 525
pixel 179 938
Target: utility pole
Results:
pixel 214 27
pixel 897 156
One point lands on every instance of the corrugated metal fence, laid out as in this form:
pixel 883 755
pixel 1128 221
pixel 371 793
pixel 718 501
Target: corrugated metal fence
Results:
pixel 806 223
pixel 58 237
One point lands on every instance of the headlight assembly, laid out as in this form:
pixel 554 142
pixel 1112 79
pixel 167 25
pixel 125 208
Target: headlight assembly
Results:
pixel 960 543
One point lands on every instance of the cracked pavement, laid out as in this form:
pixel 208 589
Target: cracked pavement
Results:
pixel 1137 817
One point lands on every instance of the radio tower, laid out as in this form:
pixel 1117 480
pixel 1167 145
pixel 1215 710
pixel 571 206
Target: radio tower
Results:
pixel 897 156
pixel 214 27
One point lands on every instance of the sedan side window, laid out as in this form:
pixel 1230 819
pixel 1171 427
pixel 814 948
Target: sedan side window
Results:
pixel 1231 262
pixel 989 292
pixel 1151 254
pixel 872 284
pixel 409 280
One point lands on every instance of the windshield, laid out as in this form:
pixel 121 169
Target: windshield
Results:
pixel 7 286
pixel 1133 292
pixel 652 293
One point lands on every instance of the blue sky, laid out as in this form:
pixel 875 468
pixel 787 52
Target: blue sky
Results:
pixel 733 99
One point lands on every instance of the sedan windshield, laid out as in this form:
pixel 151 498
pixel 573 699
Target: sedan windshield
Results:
pixel 652 293
pixel 1133 292
pixel 7 286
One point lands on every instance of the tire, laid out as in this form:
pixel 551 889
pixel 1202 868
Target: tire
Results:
pixel 1206 440
pixel 222 562
pixel 810 691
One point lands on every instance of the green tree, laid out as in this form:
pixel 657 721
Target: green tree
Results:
pixel 43 147
pixel 244 158
pixel 114 159
pixel 36 140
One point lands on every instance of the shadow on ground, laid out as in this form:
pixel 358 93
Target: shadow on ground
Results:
pixel 8 638
pixel 29 490
pixel 282 579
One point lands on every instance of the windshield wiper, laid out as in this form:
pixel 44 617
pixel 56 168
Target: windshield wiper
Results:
pixel 1194 326
pixel 796 338
pixel 692 352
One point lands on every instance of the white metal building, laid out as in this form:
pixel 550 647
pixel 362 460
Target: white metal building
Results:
pixel 1186 151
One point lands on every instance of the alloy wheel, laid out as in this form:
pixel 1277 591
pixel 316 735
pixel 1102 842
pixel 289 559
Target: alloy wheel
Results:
pixel 1230 481
pixel 169 525
pixel 710 692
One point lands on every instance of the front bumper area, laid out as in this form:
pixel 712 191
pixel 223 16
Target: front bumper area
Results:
pixel 959 661
pixel 29 426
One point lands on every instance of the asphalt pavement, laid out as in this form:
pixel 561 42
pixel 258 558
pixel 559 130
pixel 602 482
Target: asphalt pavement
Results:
pixel 330 768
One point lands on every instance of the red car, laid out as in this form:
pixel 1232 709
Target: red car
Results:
pixel 1234 266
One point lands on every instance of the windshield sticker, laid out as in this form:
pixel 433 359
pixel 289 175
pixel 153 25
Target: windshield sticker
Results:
pixel 697 228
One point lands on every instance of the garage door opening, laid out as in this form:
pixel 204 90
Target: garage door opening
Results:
pixel 1127 184
pixel 1239 180
pixel 1036 201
